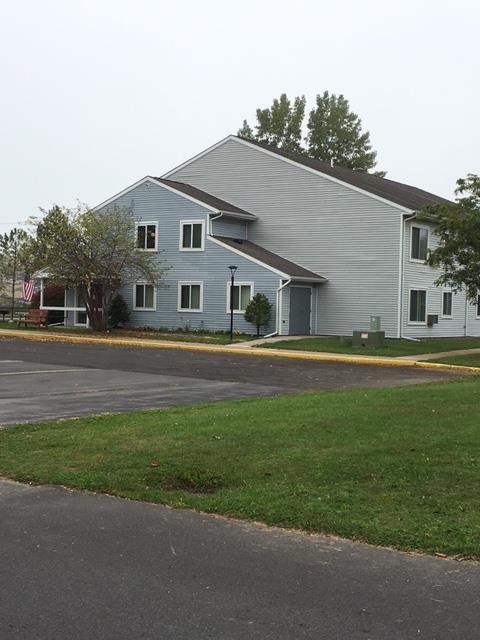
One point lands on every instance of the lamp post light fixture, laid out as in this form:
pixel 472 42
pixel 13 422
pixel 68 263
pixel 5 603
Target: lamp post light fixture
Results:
pixel 232 283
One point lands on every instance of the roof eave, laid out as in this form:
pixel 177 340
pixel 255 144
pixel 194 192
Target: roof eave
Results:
pixel 236 214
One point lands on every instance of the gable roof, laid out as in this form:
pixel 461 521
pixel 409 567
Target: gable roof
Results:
pixel 397 192
pixel 259 254
pixel 206 198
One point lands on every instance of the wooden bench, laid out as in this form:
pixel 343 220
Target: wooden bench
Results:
pixel 34 316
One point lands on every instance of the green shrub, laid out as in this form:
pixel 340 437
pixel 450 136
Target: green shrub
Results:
pixel 118 313
pixel 258 311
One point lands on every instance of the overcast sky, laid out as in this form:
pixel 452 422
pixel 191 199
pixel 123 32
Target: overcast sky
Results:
pixel 96 94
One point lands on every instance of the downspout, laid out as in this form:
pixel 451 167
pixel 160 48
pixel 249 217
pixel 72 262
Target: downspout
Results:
pixel 210 233
pixel 277 315
pixel 402 277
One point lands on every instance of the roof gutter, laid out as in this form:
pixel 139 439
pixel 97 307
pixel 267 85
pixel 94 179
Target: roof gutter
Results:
pixel 210 231
pixel 405 219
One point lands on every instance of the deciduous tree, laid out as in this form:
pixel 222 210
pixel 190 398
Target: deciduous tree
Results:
pixel 93 251
pixel 333 132
pixel 457 227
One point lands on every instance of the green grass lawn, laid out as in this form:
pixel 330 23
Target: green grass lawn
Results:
pixel 472 360
pixel 204 337
pixel 393 347
pixel 397 467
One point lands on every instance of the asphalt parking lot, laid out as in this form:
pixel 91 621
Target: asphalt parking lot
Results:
pixel 47 380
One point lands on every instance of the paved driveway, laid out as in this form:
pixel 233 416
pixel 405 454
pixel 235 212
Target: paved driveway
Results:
pixel 47 380
pixel 80 566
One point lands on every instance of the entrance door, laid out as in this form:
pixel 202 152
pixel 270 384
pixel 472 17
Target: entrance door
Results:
pixel 300 310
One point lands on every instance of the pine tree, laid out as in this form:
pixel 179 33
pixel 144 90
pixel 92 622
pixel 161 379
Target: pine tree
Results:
pixel 258 311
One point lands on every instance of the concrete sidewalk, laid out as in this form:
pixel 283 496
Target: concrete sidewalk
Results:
pixel 440 354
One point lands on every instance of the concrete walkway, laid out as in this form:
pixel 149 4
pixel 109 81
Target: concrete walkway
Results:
pixel 439 354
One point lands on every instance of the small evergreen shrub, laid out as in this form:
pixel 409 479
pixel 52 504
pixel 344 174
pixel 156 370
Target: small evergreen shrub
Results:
pixel 258 311
pixel 118 313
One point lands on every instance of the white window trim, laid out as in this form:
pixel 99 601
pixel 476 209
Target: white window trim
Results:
pixel 418 226
pixel 415 322
pixel 179 300
pixel 180 240
pixel 239 284
pixel 142 223
pixel 134 306
pixel 442 315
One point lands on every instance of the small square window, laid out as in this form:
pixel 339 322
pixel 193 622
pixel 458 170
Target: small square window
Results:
pixel 418 305
pixel 191 235
pixel 144 297
pixel 447 301
pixel 419 247
pixel 147 237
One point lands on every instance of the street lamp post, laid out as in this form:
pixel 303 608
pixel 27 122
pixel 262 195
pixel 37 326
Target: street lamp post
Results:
pixel 232 283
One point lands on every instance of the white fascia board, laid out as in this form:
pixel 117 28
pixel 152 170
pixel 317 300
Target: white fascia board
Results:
pixel 199 155
pixel 300 279
pixel 240 216
pixel 324 175
pixel 247 257
pixel 263 264
pixel 173 190
pixel 292 162
pixel 121 193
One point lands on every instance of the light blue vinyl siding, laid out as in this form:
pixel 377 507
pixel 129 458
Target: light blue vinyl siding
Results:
pixel 153 203
pixel 230 228
pixel 346 236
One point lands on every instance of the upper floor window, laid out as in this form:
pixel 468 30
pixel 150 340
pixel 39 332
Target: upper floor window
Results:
pixel 191 235
pixel 419 245
pixel 147 236
pixel 241 296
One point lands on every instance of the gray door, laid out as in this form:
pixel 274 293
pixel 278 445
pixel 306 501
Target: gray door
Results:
pixel 300 309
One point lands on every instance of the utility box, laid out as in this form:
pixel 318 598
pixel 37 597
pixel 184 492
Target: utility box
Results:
pixel 368 338
pixel 371 338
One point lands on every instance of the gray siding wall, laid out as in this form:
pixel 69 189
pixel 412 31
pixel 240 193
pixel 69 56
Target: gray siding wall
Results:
pixel 230 228
pixel 346 236
pixel 152 203
pixel 421 276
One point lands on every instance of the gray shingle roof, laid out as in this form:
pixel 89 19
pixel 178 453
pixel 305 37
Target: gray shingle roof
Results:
pixel 206 198
pixel 273 260
pixel 402 194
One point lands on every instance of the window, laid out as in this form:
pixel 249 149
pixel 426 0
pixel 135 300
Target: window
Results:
pixel 191 235
pixel 241 296
pixel 418 306
pixel 478 306
pixel 190 296
pixel 147 236
pixel 144 297
pixel 447 299
pixel 419 243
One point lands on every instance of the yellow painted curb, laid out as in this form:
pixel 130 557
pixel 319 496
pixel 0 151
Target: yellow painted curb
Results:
pixel 253 351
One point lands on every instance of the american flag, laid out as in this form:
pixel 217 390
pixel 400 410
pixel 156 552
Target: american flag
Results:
pixel 28 288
